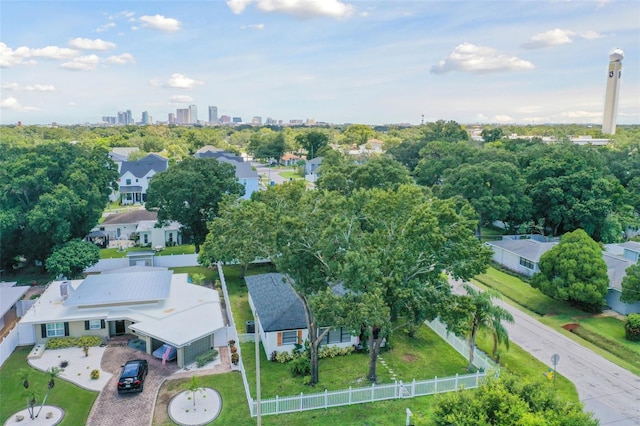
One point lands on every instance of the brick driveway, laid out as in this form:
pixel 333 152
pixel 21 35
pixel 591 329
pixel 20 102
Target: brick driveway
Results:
pixel 135 409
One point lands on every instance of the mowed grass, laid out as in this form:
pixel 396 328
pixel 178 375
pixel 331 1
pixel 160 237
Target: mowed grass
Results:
pixel 114 253
pixel 75 401
pixel 602 334
pixel 235 409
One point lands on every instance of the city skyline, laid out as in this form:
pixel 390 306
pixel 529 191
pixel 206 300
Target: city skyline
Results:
pixel 331 61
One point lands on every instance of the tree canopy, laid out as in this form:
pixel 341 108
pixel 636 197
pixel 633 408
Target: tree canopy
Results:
pixel 190 193
pixel 50 193
pixel 631 284
pixel 72 258
pixel 509 401
pixel 574 270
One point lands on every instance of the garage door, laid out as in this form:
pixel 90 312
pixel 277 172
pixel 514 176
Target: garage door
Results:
pixel 197 348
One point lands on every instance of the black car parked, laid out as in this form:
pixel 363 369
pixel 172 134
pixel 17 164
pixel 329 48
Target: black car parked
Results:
pixel 133 374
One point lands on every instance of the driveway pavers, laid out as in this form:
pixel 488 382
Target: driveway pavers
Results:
pixel 134 409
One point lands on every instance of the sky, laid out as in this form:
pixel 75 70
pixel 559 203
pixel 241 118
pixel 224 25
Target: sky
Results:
pixel 335 61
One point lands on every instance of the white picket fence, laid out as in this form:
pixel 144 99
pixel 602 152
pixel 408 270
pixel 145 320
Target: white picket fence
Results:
pixel 360 395
pixel 396 390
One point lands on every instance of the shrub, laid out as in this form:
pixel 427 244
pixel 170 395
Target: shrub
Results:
pixel 71 342
pixel 64 364
pixel 235 358
pixel 95 374
pixel 323 352
pixel 300 366
pixel 632 327
pixel 206 358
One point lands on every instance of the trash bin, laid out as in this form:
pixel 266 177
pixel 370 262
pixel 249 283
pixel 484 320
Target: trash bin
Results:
pixel 251 327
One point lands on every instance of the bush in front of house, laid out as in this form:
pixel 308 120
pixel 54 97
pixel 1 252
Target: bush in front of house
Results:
pixel 323 352
pixel 72 342
pixel 206 358
pixel 632 327
pixel 95 374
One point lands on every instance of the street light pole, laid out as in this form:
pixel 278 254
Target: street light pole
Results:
pixel 257 340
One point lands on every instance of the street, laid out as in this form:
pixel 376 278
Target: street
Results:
pixel 609 391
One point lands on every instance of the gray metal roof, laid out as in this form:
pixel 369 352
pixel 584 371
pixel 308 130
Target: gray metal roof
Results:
pixel 526 248
pixel 132 287
pixel 616 269
pixel 141 167
pixel 631 245
pixel 243 170
pixel 9 295
pixel 276 303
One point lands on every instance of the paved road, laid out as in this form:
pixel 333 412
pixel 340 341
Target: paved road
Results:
pixel 609 391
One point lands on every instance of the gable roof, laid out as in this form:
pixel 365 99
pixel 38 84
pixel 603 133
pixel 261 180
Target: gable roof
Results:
pixel 276 303
pixel 243 170
pixel 143 166
pixel 121 288
pixel 9 295
pixel 130 216
pixel 526 248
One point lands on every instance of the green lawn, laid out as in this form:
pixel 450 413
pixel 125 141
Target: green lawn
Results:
pixel 75 401
pixel 604 335
pixel 291 175
pixel 210 275
pixel 114 253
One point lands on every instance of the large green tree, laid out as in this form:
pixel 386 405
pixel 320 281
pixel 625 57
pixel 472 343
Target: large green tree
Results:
pixel 410 241
pixel 243 232
pixel 312 141
pixel 574 270
pixel 50 193
pixel 190 193
pixel 495 189
pixel 72 258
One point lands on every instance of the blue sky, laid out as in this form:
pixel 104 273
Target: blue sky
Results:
pixel 335 61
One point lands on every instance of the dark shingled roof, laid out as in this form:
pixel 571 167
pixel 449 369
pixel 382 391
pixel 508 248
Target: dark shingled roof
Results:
pixel 131 216
pixel 141 167
pixel 276 303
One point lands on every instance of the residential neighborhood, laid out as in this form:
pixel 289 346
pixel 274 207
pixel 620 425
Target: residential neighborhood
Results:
pixel 338 283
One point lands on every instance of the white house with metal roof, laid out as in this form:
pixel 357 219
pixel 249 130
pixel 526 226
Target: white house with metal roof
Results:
pixel 154 304
pixel 245 173
pixel 281 318
pixel 135 177
pixel 519 255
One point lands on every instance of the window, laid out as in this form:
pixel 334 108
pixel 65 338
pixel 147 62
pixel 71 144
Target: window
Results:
pixel 170 237
pixel 289 337
pixel 146 238
pixel 55 329
pixel 526 263
pixel 95 324
pixel 336 335
pixel 128 181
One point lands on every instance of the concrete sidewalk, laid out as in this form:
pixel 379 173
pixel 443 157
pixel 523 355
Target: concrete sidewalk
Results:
pixel 609 391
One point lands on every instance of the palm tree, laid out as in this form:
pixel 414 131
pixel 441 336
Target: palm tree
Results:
pixel 485 315
pixel 194 386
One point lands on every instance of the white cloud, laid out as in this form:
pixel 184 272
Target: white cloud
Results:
pixel 581 114
pixel 10 57
pixel 105 27
pixel 299 8
pixel 471 58
pixel 82 63
pixel 238 6
pixel 88 44
pixel 591 35
pixel 12 103
pixel 181 99
pixel 181 81
pixel 161 23
pixel 503 119
pixel 550 38
pixel 254 26
pixel 125 58
pixel 29 88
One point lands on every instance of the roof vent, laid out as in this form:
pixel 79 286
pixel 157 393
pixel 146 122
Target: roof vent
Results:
pixel 65 289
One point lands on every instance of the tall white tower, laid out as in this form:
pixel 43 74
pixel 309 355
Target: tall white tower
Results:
pixel 613 88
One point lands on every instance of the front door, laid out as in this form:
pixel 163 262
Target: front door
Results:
pixel 120 328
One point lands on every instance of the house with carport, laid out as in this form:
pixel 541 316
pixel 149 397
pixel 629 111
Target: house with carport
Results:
pixel 153 304
pixel 282 321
